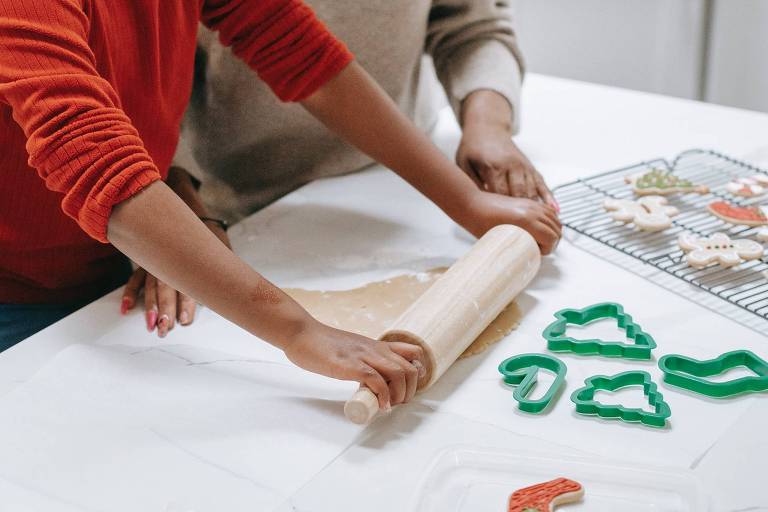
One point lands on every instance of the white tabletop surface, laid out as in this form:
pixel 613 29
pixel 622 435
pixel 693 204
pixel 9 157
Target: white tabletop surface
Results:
pixel 96 414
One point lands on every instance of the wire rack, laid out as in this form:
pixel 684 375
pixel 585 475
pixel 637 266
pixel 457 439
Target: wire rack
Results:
pixel 744 286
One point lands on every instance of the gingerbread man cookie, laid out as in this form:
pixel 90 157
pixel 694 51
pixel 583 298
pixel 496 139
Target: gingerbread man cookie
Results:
pixel 742 215
pixel 748 187
pixel 649 213
pixel 544 497
pixel 662 183
pixel 718 248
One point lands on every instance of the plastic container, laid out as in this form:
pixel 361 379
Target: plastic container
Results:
pixel 463 479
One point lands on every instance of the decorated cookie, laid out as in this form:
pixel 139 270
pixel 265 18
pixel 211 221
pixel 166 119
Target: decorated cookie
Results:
pixel 748 187
pixel 718 248
pixel 544 497
pixel 743 215
pixel 662 183
pixel 649 213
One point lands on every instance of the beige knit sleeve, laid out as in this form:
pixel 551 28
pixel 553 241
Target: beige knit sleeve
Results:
pixel 474 47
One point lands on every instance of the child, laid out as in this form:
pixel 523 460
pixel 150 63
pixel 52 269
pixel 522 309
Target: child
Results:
pixel 92 95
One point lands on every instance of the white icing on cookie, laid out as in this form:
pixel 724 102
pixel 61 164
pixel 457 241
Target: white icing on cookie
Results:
pixel 718 248
pixel 748 187
pixel 649 213
pixel 762 235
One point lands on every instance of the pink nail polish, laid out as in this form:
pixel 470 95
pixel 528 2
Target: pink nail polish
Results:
pixel 125 305
pixel 151 320
pixel 162 326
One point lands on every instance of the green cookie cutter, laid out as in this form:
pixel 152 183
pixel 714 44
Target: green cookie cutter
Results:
pixel 584 398
pixel 557 341
pixel 688 373
pixel 521 371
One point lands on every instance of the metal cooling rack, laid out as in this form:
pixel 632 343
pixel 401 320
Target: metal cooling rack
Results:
pixel 582 210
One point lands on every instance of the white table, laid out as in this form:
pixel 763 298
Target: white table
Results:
pixel 100 415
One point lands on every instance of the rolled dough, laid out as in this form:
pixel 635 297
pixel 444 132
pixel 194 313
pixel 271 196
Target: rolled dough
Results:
pixel 371 309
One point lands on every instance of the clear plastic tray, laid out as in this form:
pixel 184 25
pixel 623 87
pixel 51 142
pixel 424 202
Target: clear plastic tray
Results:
pixel 464 479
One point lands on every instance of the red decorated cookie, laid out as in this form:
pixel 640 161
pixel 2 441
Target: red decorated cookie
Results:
pixel 747 215
pixel 544 497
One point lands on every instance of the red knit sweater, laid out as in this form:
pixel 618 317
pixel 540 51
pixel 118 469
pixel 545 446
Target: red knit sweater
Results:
pixel 92 93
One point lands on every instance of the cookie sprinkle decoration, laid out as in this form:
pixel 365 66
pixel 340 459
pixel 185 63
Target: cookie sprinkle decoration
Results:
pixel 659 182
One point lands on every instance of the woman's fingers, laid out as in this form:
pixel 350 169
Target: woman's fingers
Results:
pixel 150 302
pixel 131 291
pixel 166 302
pixel 546 194
pixel 185 309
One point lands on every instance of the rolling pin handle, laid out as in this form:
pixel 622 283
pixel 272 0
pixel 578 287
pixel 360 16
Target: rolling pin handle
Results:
pixel 362 407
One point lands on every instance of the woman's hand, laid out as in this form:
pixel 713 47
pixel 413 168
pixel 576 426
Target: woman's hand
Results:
pixel 391 370
pixel 484 210
pixel 496 164
pixel 163 305
pixel 489 156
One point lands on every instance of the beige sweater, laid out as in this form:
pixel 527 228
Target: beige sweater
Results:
pixel 249 149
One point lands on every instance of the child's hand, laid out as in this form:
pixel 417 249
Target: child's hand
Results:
pixel 486 210
pixel 390 370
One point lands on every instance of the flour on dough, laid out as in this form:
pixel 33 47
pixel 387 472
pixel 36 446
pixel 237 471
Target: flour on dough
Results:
pixel 371 309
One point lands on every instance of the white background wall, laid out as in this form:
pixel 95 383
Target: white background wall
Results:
pixel 714 50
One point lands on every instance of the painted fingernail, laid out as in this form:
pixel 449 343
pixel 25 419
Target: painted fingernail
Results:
pixel 162 326
pixel 420 368
pixel 151 320
pixel 184 318
pixel 125 305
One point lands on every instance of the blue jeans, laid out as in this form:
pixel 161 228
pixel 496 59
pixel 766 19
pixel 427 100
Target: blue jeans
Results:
pixel 20 321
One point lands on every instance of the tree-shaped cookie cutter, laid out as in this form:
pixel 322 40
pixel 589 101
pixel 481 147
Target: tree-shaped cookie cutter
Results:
pixel 689 373
pixel 557 341
pixel 584 398
pixel 522 370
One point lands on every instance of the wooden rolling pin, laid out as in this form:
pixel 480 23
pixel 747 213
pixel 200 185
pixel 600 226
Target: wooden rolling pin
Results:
pixel 459 306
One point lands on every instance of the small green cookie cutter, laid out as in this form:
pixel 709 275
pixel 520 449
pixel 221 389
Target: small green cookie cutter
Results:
pixel 521 371
pixel 557 341
pixel 584 398
pixel 687 372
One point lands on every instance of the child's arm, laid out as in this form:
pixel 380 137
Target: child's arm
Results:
pixel 355 107
pixel 181 251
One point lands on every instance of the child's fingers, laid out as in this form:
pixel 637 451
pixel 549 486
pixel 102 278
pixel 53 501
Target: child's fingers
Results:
pixel 408 351
pixel 376 383
pixel 150 301
pixel 131 291
pixel 166 299
pixel 393 374
pixel 411 376
pixel 186 309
